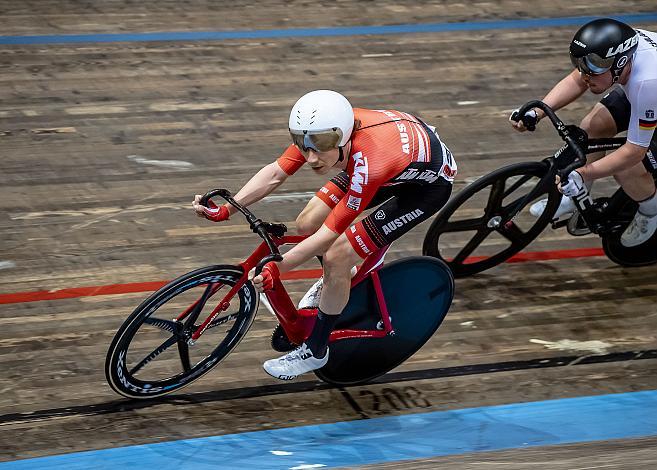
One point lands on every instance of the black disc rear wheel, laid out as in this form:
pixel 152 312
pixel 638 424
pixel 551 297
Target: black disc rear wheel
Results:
pixel 488 221
pixel 418 293
pixel 152 353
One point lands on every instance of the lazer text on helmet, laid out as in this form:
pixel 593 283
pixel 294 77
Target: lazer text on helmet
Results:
pixel 627 45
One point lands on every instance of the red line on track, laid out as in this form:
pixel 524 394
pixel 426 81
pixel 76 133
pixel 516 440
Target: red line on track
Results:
pixel 75 292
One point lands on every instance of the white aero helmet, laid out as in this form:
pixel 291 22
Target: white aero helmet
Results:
pixel 321 120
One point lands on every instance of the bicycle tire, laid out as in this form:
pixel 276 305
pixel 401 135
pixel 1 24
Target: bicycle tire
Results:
pixel 461 264
pixel 117 372
pixel 359 360
pixel 635 256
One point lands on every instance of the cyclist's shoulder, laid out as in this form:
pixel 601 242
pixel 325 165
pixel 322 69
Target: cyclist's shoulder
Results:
pixel 646 38
pixel 374 117
pixel 645 59
pixel 291 160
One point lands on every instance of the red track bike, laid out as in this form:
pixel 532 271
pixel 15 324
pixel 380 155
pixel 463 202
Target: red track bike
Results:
pixel 191 324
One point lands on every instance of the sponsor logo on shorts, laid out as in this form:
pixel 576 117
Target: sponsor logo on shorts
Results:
pixel 650 114
pixel 429 176
pixel 362 245
pixel 401 221
pixel 380 215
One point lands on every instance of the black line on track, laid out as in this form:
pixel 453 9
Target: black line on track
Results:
pixel 119 406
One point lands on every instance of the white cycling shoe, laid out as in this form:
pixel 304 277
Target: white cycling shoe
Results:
pixel 640 230
pixel 566 207
pixel 294 363
pixel 311 298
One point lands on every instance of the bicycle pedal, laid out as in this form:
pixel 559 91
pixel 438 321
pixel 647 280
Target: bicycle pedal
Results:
pixel 576 226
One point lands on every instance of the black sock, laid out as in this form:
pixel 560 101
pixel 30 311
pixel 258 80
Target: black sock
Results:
pixel 317 342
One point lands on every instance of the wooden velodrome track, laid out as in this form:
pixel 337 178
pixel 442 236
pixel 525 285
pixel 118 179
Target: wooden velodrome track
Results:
pixel 103 146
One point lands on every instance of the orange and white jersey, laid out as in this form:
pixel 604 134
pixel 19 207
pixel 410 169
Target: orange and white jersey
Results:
pixel 388 147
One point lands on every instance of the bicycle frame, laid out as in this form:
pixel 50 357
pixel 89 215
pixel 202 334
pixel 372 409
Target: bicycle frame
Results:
pixel 297 324
pixel 595 216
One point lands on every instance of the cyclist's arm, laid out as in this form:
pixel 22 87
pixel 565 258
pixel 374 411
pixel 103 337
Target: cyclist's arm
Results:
pixel 623 158
pixel 565 92
pixel 639 135
pixel 316 244
pixel 260 185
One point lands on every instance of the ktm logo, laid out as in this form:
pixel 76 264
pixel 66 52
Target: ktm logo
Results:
pixel 359 178
pixel 625 46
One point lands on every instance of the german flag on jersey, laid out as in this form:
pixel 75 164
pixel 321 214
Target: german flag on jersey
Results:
pixel 646 125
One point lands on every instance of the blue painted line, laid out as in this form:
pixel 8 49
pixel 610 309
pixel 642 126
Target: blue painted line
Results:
pixel 314 32
pixel 416 436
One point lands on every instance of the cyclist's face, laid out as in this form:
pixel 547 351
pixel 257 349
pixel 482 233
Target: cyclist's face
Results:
pixel 321 162
pixel 598 83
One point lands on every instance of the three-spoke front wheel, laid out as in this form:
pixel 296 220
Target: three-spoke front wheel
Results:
pixel 153 352
pixel 489 221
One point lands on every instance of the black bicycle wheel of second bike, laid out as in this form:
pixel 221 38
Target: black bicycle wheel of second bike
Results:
pixel 418 292
pixel 152 353
pixel 488 221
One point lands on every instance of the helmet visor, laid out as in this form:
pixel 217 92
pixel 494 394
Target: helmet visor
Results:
pixel 592 64
pixel 319 141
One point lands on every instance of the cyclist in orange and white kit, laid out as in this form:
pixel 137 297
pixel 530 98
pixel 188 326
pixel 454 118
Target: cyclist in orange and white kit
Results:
pixel 388 159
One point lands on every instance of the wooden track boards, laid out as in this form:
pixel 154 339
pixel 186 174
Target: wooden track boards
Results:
pixel 104 145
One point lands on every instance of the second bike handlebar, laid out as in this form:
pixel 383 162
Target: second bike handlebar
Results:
pixel 264 229
pixel 569 134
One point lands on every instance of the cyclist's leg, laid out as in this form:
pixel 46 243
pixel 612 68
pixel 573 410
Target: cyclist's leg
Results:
pixel 639 183
pixel 314 215
pixel 403 212
pixel 607 118
pixel 413 205
pixel 322 203
pixel 399 214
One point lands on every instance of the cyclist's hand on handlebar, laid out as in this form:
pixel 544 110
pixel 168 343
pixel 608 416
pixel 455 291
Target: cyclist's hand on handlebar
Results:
pixel 265 280
pixel 574 187
pixel 212 212
pixel 527 123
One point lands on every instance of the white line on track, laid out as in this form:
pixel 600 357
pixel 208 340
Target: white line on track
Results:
pixel 176 164
pixel 7 264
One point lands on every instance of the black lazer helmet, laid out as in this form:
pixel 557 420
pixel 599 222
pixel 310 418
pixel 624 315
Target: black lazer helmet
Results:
pixel 603 44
